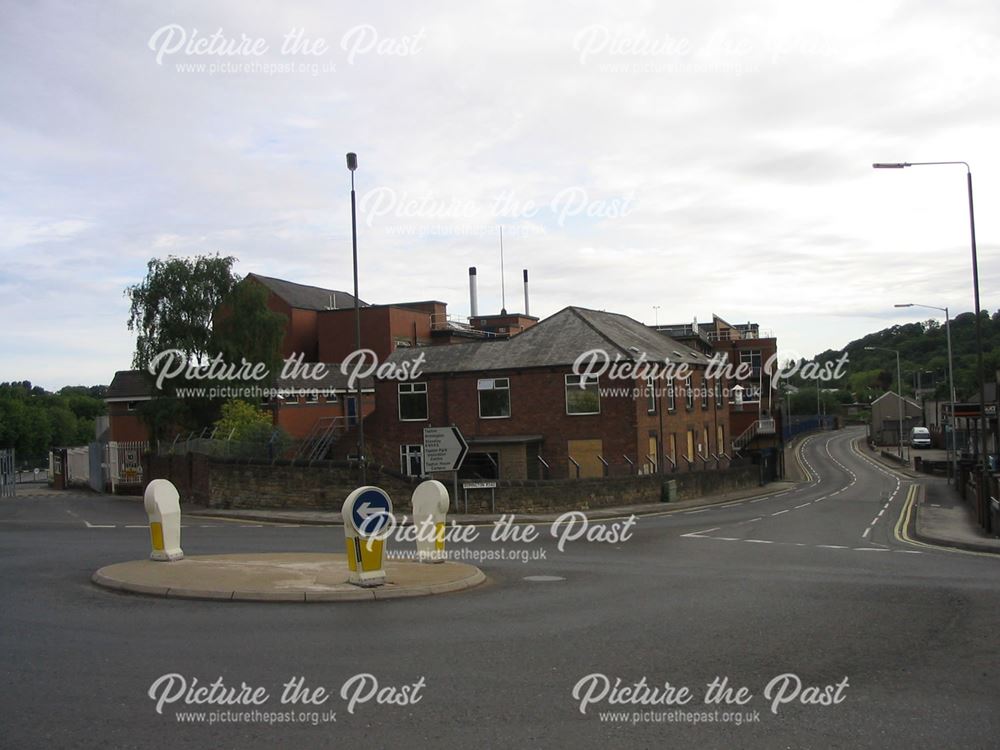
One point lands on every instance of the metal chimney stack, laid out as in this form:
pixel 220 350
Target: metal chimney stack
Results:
pixel 473 296
pixel 526 310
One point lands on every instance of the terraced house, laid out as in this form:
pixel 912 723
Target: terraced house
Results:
pixel 527 415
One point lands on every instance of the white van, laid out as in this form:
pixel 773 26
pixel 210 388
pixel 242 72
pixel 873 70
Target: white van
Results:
pixel 920 437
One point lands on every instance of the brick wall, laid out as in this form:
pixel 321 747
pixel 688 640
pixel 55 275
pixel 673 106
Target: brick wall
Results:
pixel 537 402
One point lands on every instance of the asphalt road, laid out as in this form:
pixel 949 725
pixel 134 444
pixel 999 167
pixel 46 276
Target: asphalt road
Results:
pixel 812 582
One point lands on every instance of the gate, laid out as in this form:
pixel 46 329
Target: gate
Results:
pixel 124 462
pixel 8 478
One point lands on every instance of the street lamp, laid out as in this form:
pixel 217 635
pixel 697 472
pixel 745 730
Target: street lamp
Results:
pixel 983 482
pixel 656 313
pixel 899 381
pixel 352 165
pixel 953 458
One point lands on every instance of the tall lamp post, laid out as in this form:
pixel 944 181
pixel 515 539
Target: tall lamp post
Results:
pixel 952 454
pixel 352 165
pixel 984 476
pixel 899 385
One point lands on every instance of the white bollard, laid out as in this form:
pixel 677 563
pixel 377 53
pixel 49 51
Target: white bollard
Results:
pixel 164 510
pixel 430 508
pixel 367 512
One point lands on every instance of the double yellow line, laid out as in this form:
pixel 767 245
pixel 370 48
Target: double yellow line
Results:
pixel 903 524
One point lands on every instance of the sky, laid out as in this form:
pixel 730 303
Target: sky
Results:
pixel 663 161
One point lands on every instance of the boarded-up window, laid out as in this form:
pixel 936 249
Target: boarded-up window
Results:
pixel 586 453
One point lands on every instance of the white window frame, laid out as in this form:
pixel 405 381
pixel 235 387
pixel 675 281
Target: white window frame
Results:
pixel 651 399
pixel 492 386
pixel 404 456
pixel 412 389
pixel 689 393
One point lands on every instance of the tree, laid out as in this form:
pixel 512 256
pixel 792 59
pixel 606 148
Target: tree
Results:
pixel 173 306
pixel 241 420
pixel 246 328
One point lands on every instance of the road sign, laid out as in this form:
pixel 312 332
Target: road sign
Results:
pixel 372 504
pixel 479 485
pixel 444 449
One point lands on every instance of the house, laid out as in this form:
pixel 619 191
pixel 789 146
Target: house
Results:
pixel 886 412
pixel 128 390
pixel 527 415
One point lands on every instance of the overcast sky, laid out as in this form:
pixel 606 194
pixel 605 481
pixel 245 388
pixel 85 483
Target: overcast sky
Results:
pixel 709 159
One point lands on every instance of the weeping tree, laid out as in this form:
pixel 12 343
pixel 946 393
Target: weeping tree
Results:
pixel 198 308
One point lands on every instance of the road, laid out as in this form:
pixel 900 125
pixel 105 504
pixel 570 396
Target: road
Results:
pixel 813 582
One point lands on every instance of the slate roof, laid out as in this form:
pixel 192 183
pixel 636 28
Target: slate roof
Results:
pixel 129 384
pixel 556 341
pixel 305 297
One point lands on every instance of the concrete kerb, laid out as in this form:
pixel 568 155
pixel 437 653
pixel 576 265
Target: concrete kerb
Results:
pixel 277 577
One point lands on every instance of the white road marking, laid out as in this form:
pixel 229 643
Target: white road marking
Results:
pixel 804 505
pixel 758 541
pixel 99 525
pixel 780 512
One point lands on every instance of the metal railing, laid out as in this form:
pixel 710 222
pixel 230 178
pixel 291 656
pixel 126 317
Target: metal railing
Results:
pixel 757 427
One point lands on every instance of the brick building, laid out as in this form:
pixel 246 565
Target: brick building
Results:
pixel 526 415
pixel 754 411
pixel 128 390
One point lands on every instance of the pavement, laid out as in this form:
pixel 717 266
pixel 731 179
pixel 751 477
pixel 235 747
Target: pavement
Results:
pixel 288 577
pixel 939 515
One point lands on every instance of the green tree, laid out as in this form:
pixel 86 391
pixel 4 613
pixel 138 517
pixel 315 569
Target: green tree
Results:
pixel 246 328
pixel 243 421
pixel 172 307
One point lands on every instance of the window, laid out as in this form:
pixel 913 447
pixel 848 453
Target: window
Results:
pixel 130 406
pixel 650 396
pixel 718 393
pixel 412 402
pixel 690 446
pixel 751 357
pixel 312 397
pixel 688 393
pixel 704 393
pixel 671 397
pixel 720 439
pixel 494 397
pixel 411 459
pixel 582 397
pixel 290 397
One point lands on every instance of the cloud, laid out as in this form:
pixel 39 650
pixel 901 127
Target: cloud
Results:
pixel 741 139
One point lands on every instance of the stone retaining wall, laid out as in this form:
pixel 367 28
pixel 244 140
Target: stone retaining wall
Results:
pixel 219 483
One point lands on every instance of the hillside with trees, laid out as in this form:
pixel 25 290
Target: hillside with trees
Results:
pixel 923 352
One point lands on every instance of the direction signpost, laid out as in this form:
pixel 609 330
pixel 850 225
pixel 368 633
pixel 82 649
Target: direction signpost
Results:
pixel 444 450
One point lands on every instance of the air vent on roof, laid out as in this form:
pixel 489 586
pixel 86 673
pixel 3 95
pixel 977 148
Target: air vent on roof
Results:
pixel 677 352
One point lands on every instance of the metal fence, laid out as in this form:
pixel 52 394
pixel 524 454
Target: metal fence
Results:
pixel 278 446
pixel 8 484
